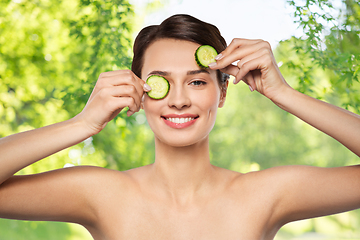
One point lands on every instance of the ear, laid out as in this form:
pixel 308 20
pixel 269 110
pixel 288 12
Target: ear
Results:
pixel 223 95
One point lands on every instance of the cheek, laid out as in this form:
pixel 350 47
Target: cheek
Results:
pixel 207 99
pixel 150 107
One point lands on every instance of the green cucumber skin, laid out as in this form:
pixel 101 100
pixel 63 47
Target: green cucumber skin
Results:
pixel 165 86
pixel 198 57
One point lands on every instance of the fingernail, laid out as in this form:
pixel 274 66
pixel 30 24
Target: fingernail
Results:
pixel 213 64
pixel 234 81
pixel 218 57
pixel 251 89
pixel 147 87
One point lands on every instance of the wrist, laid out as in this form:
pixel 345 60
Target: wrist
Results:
pixel 81 127
pixel 285 98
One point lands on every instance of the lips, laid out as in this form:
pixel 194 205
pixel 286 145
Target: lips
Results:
pixel 179 121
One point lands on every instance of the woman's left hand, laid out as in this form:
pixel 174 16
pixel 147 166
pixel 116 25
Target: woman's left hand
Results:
pixel 256 66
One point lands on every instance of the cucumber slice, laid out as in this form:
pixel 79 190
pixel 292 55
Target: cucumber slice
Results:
pixel 205 55
pixel 159 87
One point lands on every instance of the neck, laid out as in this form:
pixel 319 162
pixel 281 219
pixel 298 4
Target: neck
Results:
pixel 183 172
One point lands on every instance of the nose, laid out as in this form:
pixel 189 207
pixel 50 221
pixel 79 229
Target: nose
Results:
pixel 178 97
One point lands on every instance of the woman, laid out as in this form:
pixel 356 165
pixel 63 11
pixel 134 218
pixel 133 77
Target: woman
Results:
pixel 181 195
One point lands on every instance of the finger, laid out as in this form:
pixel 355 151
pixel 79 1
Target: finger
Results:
pixel 117 104
pixel 107 79
pixel 238 52
pixel 256 55
pixel 114 78
pixel 120 77
pixel 111 73
pixel 129 113
pixel 120 103
pixel 247 67
pixel 128 91
pixel 236 43
pixel 250 81
pixel 231 69
pixel 133 108
pixel 122 92
pixel 145 86
pixel 139 84
pixel 129 78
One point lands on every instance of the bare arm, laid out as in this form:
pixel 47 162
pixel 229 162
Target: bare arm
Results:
pixel 308 192
pixel 22 149
pixel 300 191
pixel 258 68
pixel 339 123
pixel 62 194
pixel 59 195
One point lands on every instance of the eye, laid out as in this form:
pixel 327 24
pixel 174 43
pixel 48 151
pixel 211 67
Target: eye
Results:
pixel 198 83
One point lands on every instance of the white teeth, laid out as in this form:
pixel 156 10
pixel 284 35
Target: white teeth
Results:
pixel 179 120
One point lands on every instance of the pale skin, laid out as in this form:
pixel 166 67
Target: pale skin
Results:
pixel 181 195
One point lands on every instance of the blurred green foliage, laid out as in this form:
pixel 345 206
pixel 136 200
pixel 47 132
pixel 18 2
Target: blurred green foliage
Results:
pixel 325 63
pixel 12 230
pixel 331 41
pixel 51 53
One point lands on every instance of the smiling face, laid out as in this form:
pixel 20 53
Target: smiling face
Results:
pixel 187 114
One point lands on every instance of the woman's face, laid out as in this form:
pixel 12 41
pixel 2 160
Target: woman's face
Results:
pixel 187 114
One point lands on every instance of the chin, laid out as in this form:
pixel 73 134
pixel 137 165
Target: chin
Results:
pixel 181 141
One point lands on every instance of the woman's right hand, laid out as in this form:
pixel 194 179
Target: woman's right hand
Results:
pixel 113 91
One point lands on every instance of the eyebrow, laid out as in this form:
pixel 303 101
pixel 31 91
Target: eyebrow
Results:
pixel 160 73
pixel 194 72
pixel 165 73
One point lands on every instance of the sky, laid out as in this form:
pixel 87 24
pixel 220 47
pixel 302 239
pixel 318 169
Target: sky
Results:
pixel 254 19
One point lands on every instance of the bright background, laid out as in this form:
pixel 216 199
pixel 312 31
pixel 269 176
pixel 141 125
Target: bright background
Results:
pixel 51 54
pixel 255 19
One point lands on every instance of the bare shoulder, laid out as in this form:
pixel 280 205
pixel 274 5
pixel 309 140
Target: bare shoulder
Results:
pixel 91 182
pixel 275 181
pixel 275 175
pixel 104 178
pixel 269 186
pixel 118 184
pixel 68 194
pixel 298 192
pixel 258 195
pixel 88 175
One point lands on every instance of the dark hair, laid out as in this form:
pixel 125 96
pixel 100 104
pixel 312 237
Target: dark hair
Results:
pixel 182 27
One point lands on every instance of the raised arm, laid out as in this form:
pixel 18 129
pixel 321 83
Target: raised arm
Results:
pixel 342 125
pixel 20 150
pixel 258 68
pixel 299 192
pixel 65 194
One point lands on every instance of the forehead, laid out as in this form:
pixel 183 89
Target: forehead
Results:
pixel 170 55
